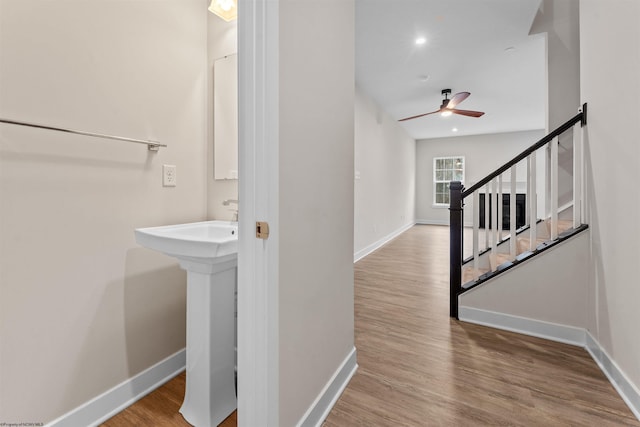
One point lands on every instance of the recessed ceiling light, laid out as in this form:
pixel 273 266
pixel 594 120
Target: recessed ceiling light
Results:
pixel 510 49
pixel 421 41
pixel 454 130
pixel 423 77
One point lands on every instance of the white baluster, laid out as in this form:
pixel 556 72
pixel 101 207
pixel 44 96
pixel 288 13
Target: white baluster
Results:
pixel 554 188
pixel 512 214
pixel 547 181
pixel 487 224
pixel 527 219
pixel 499 201
pixel 577 175
pixel 476 228
pixel 533 203
pixel 494 216
pixel 584 212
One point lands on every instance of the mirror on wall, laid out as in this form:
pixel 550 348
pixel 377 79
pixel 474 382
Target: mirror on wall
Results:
pixel 225 117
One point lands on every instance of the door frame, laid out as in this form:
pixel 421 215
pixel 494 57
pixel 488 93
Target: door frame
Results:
pixel 258 87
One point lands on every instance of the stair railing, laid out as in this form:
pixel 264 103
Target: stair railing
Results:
pixel 492 188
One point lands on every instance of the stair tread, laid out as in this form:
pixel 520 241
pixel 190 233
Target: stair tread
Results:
pixel 498 259
pixel 469 273
pixel 522 243
pixel 563 225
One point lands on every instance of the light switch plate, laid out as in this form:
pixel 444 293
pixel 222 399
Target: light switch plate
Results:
pixel 168 175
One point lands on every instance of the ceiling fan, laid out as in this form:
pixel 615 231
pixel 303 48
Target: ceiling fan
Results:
pixel 448 106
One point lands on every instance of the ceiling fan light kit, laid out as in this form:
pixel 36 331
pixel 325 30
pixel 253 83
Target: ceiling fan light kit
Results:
pixel 448 106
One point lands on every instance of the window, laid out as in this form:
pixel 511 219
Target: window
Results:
pixel 445 170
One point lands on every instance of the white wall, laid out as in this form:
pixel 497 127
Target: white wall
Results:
pixel 610 65
pixel 316 167
pixel 385 175
pixel 559 19
pixel 82 306
pixel 483 154
pixel 222 40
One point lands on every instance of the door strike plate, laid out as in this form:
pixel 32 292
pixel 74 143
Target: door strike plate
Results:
pixel 262 230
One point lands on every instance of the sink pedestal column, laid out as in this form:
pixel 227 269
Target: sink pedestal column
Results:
pixel 210 394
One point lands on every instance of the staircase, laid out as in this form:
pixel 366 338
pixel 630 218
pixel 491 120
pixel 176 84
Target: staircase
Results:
pixel 495 244
pixel 491 261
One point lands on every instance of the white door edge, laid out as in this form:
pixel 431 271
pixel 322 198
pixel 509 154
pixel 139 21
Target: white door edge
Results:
pixel 258 374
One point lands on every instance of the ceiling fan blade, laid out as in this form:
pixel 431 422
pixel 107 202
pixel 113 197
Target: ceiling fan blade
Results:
pixel 457 99
pixel 419 115
pixel 468 113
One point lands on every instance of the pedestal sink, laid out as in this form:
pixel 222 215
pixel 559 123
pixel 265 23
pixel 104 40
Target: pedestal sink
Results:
pixel 209 252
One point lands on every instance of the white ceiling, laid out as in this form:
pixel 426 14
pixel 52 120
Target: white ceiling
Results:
pixel 467 49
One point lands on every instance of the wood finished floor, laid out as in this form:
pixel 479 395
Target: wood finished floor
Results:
pixel 417 367
pixel 160 409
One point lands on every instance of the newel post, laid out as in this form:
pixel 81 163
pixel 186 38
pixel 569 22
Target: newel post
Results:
pixel 455 246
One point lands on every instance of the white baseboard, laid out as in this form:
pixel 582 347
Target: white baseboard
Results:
pixel 328 397
pixel 536 328
pixel 375 245
pixel 440 222
pixel 625 388
pixel 432 222
pixel 109 403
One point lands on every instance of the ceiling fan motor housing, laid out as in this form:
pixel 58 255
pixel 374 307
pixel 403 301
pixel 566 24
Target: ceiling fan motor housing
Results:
pixel 445 101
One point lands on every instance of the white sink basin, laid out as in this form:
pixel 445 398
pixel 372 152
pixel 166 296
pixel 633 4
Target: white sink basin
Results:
pixel 201 240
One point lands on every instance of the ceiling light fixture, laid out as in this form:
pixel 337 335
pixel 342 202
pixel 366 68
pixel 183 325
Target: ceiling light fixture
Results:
pixel 421 41
pixel 446 113
pixel 225 9
pixel 455 130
